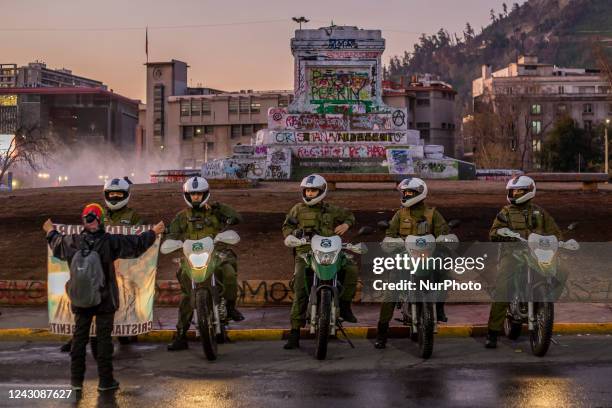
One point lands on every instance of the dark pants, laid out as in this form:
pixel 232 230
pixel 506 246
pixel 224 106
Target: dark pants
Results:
pixel 104 327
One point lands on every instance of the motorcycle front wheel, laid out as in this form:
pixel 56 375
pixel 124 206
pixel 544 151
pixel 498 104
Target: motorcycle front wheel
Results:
pixel 541 336
pixel 426 329
pixel 323 323
pixel 206 323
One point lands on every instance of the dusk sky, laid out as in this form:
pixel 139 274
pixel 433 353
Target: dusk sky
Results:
pixel 105 40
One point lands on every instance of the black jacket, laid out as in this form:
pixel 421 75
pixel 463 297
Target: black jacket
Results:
pixel 109 247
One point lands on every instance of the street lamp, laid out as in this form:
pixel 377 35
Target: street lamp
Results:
pixel 606 146
pixel 300 20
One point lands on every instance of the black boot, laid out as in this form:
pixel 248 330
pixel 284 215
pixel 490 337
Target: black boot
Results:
pixel 293 341
pixel 441 316
pixel 491 341
pixel 66 347
pixel 233 313
pixel 346 313
pixel 381 335
pixel 179 342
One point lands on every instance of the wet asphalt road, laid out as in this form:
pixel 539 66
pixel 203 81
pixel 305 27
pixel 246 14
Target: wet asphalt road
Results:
pixel 576 372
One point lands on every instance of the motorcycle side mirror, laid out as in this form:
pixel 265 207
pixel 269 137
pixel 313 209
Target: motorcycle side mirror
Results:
pixel 365 230
pixel 383 225
pixel 454 223
pixel 292 221
pixel 507 232
pixel 360 248
pixel 572 226
pixel 571 244
pixel 227 237
pixel 170 245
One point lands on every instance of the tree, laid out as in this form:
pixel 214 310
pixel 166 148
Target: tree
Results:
pixel 565 146
pixel 468 33
pixel 505 7
pixel 494 132
pixel 30 147
pixel 504 128
pixel 515 7
pixel 493 18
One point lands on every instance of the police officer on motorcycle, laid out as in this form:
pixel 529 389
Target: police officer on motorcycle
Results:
pixel 314 216
pixel 198 221
pixel 524 217
pixel 413 218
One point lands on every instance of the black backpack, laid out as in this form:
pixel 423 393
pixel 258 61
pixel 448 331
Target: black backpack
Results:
pixel 86 279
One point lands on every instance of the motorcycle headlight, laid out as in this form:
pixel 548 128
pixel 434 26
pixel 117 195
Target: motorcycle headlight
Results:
pixel 325 258
pixel 199 261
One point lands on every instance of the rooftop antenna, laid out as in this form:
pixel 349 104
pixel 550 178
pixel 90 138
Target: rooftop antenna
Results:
pixel 300 20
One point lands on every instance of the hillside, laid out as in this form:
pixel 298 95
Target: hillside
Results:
pixel 557 31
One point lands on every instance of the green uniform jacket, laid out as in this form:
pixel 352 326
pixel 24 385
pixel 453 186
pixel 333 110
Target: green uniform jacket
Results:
pixel 320 218
pixel 417 220
pixel 123 217
pixel 198 223
pixel 524 219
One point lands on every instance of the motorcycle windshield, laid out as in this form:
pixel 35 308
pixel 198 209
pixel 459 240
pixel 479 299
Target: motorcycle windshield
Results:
pixel 198 254
pixel 326 251
pixel 543 247
pixel 420 245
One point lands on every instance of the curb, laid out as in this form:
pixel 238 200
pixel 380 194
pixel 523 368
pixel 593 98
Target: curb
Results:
pixel 154 336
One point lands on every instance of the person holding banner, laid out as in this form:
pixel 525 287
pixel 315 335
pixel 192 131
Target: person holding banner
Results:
pixel 116 198
pixel 106 248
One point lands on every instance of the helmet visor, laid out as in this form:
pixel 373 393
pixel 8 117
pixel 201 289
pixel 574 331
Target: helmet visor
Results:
pixel 408 194
pixel 516 193
pixel 196 198
pixel 310 193
pixel 115 196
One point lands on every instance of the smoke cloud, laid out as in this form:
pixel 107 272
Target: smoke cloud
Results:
pixel 88 164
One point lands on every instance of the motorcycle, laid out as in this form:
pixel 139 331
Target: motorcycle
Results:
pixel 209 306
pixel 418 308
pixel 325 259
pixel 530 307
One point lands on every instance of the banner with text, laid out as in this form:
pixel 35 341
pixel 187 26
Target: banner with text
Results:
pixel 135 278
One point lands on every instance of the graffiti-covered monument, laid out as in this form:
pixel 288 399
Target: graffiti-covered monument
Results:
pixel 337 121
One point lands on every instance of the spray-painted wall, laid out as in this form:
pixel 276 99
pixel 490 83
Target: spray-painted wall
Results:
pixel 271 163
pixel 337 120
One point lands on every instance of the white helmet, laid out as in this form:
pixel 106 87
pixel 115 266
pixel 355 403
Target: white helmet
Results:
pixel 314 181
pixel 196 185
pixel 414 185
pixel 117 185
pixel 520 183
